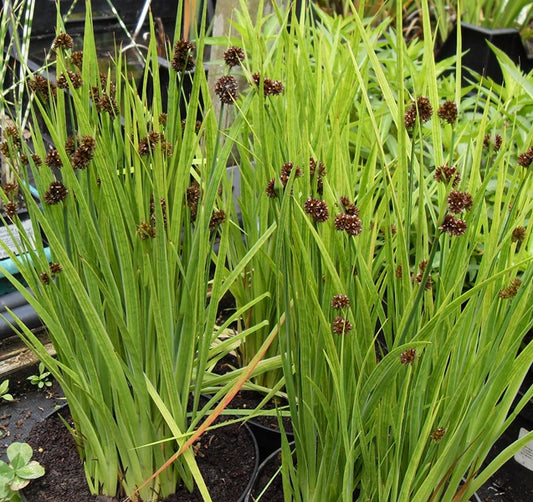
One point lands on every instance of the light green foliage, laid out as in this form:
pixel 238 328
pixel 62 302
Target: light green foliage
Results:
pixel 18 472
pixel 4 391
pixel 42 379
pixel 408 399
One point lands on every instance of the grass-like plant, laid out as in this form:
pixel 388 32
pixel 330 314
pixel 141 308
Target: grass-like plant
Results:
pixel 403 269
pixel 126 198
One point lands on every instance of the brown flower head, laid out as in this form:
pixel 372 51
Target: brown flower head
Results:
pixel 270 87
pixel 56 193
pixel 317 209
pixel 53 159
pixel 459 202
pixel 11 209
pixel 349 223
pixel 453 226
pixel 233 56
pixel 217 218
pixel 42 88
pixel 84 154
pixel 75 78
pixel 45 278
pixel 270 190
pixel 348 207
pixel 448 112
pixel 518 235
pixel 420 108
pixel 226 89
pixel 408 357
pixel 286 170
pixel 399 272
pixel 70 145
pixel 341 325
pixel 525 159
pixel 438 434
pixel 340 302
pixel 107 104
pixel 148 144
pixel 183 58
pixel 162 119
pixel 11 190
pixel 76 58
pixel 55 268
pixel 153 217
pixel 63 41
pixel 445 174
pixel 12 136
pixel 36 159
pixel 489 142
pixel 145 230
pixel 193 197
pixel 510 291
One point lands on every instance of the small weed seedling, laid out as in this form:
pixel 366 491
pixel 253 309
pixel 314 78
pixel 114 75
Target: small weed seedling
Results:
pixel 4 394
pixel 42 379
pixel 16 474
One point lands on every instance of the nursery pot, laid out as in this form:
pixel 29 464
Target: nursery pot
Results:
pixel 479 57
pixel 69 481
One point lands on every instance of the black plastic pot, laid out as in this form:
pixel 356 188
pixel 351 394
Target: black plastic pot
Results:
pixel 479 56
pixel 268 439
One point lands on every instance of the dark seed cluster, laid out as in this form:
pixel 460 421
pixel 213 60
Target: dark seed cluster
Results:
pixel 349 207
pixel 421 109
pixel 226 89
pixel 63 41
pixel 183 58
pixel 42 88
pixel 438 434
pixel 510 291
pixel 341 325
pixel 317 209
pixel 494 142
pixel 453 226
pixel 448 112
pixel 84 153
pixel 145 230
pixel 233 56
pixel 525 159
pixel 217 218
pixel 445 174
pixel 459 202
pixel 408 357
pixel 53 160
pixel 76 58
pixel 10 209
pixel 75 78
pixel 340 302
pixel 518 235
pixel 56 193
pixel 270 87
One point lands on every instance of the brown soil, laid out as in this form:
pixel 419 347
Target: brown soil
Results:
pixel 227 463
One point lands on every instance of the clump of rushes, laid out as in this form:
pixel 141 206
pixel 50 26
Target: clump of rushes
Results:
pixel 453 226
pixel 56 193
pixel 341 325
pixel 459 202
pixel 525 159
pixel 317 209
pixel 234 56
pixel 226 88
pixel 448 112
pixel 63 41
pixel 494 142
pixel 511 290
pixel 445 174
pixel 183 58
pixel 421 109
